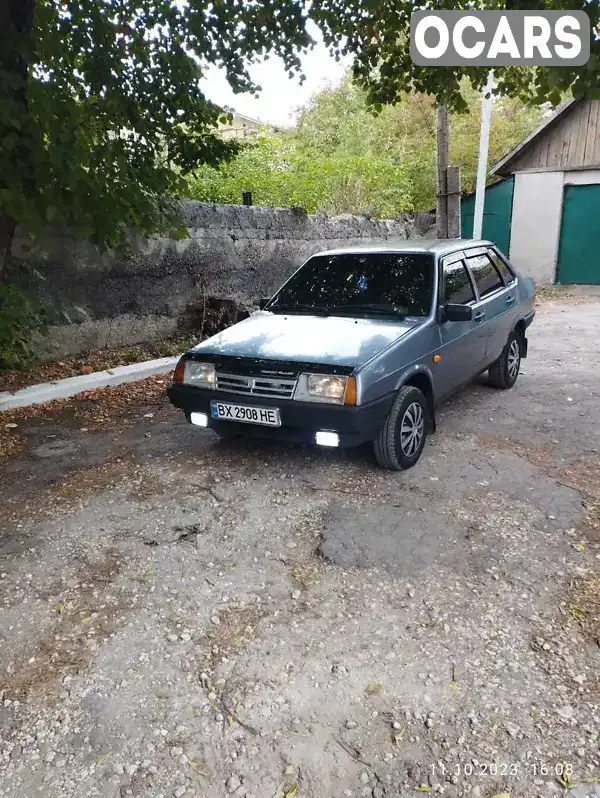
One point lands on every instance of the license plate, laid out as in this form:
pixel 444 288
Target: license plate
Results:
pixel 267 416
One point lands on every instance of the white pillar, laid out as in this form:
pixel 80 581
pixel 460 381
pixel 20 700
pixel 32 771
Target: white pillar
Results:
pixel 484 140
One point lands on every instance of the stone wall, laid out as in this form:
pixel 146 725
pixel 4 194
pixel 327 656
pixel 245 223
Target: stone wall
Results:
pixel 233 253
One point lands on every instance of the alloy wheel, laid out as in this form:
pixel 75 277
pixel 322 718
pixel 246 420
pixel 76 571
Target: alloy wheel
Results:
pixel 412 429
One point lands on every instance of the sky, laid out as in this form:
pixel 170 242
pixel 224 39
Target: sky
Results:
pixel 280 97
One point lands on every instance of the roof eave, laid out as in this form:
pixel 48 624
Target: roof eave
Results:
pixel 502 167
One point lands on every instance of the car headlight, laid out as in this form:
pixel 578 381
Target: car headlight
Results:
pixel 326 387
pixel 329 388
pixel 202 375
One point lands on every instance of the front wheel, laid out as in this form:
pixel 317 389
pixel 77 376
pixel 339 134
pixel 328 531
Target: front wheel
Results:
pixel 400 441
pixel 504 372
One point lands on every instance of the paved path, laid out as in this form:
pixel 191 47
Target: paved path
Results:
pixel 180 616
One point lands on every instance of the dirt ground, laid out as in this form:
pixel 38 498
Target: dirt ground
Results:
pixel 185 617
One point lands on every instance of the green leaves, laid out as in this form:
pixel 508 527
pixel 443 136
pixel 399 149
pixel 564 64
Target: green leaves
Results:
pixel 343 158
pixel 108 114
pixel 102 114
pixel 379 42
pixel 20 313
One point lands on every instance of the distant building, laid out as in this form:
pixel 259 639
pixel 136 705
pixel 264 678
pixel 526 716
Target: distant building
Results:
pixel 241 127
pixel 545 212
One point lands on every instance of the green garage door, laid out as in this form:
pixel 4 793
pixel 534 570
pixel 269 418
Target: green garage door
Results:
pixel 497 214
pixel 579 248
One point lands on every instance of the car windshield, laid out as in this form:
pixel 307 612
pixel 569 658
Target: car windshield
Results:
pixel 371 284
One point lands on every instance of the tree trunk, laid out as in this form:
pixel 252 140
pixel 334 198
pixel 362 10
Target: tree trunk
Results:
pixel 16 27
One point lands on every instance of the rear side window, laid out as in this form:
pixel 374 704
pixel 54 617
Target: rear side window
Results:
pixel 485 274
pixel 501 266
pixel 458 289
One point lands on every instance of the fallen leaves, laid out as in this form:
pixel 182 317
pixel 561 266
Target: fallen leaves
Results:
pixel 584 605
pixel 582 475
pixel 198 768
pixel 94 409
pixel 397 737
pixel 373 688
pixel 11 442
pixel 61 496
pixel 62 646
pixel 566 780
pixel 305 576
pixel 96 361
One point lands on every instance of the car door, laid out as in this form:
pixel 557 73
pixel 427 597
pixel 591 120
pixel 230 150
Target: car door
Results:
pixel 509 317
pixel 463 342
pixel 495 306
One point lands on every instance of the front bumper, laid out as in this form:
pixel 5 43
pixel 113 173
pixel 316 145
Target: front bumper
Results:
pixel 299 420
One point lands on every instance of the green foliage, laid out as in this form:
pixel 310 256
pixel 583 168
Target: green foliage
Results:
pixel 16 321
pixel 101 116
pixel 21 314
pixel 378 36
pixel 342 158
pixel 280 172
pixel 101 113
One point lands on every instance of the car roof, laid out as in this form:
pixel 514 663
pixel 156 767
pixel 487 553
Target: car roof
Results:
pixel 437 246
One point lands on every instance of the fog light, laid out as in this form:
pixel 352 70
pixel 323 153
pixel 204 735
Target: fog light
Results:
pixel 199 419
pixel 327 439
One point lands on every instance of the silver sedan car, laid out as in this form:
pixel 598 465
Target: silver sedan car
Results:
pixel 360 344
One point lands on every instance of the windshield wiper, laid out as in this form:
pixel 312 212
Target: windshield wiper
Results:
pixel 381 308
pixel 299 308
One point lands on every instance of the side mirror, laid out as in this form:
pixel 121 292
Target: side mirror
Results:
pixel 457 313
pixel 262 302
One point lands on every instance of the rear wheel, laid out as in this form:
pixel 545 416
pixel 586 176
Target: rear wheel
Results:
pixel 504 372
pixel 400 441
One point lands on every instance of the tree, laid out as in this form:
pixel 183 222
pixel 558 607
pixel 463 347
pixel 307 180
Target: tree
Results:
pixel 342 158
pixel 281 173
pixel 378 36
pixel 100 107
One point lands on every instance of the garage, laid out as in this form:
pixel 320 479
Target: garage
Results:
pixel 578 251
pixel 554 220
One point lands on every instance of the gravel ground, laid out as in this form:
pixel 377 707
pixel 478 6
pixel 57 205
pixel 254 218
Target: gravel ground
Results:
pixel 185 617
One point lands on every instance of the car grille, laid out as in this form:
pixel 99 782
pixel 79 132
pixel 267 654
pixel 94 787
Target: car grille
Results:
pixel 256 386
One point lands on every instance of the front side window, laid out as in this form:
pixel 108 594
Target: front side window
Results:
pixel 485 274
pixel 458 289
pixel 354 282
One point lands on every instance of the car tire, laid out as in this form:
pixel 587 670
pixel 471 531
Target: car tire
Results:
pixel 504 372
pixel 400 441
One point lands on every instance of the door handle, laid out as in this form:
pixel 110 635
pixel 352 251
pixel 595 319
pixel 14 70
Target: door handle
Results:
pixel 479 316
pixel 510 300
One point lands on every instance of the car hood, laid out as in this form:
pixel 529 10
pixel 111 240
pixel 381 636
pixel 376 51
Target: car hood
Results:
pixel 331 340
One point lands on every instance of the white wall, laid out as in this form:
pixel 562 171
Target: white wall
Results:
pixel 536 219
pixel 583 177
pixel 537 206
